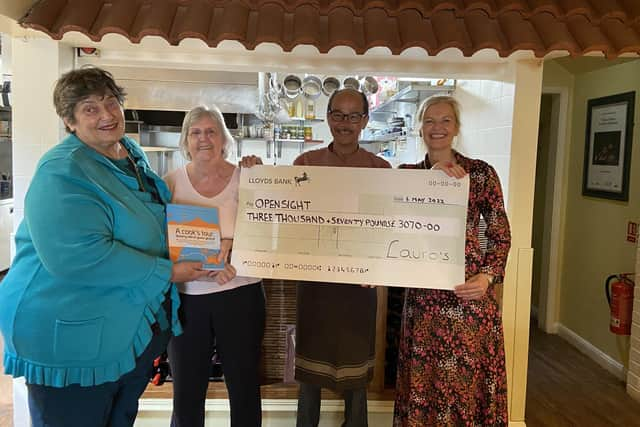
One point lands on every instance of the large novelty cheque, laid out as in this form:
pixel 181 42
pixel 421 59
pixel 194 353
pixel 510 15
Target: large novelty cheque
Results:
pixel 351 225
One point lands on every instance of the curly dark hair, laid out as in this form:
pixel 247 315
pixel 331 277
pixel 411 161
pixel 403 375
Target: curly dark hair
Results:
pixel 77 85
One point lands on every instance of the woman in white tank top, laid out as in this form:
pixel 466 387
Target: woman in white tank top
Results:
pixel 226 314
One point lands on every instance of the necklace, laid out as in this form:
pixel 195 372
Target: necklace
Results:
pixel 135 169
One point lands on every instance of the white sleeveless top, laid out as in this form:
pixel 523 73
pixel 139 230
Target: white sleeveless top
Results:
pixel 227 203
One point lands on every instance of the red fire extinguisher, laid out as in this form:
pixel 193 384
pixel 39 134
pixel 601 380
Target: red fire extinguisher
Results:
pixel 620 297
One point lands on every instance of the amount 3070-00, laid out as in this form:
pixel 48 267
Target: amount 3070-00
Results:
pixel 407 224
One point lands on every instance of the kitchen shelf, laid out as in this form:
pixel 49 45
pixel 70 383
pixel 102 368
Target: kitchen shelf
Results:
pixel 386 137
pixel 161 128
pixel 248 139
pixel 149 149
pixel 411 93
pixel 302 119
pixel 313 141
pixel 303 141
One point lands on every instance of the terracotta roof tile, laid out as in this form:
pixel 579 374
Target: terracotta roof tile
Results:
pixel 483 31
pixel 588 36
pixel 542 26
pixel 192 21
pixel 413 33
pixel 305 25
pixel 116 18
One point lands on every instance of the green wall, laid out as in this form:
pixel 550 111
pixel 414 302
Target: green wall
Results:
pixel 594 230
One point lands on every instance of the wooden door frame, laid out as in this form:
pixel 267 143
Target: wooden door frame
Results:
pixel 549 302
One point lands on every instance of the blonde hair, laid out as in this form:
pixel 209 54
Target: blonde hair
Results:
pixel 196 114
pixel 433 100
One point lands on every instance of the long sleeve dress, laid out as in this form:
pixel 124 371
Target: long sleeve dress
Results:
pixel 451 364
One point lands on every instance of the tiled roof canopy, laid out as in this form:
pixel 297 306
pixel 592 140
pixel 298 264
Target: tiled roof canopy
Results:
pixel 577 26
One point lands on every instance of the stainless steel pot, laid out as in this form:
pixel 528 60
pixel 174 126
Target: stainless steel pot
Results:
pixel 292 85
pixel 369 85
pixel 351 83
pixel 329 85
pixel 311 87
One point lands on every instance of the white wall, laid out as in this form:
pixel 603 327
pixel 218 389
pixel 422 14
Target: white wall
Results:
pixel 36 65
pixel 633 374
pixel 487 112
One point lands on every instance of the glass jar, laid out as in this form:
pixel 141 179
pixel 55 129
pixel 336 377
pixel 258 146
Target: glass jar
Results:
pixel 299 108
pixel 310 111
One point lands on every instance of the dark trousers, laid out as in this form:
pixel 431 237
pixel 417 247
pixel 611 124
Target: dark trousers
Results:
pixel 113 404
pixel 355 407
pixel 235 319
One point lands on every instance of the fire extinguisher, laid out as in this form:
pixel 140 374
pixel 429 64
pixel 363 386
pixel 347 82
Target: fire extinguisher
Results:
pixel 620 297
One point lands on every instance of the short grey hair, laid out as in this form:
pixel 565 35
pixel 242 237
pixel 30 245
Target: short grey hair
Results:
pixel 196 114
pixel 433 100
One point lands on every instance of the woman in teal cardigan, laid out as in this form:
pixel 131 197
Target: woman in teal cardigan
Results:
pixel 88 302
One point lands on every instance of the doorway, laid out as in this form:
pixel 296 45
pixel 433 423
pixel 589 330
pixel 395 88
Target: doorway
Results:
pixel 548 202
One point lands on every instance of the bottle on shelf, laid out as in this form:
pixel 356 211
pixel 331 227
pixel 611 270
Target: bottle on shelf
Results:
pixel 299 108
pixel 310 111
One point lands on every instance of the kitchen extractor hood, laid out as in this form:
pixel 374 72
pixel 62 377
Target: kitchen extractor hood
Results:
pixel 183 96
pixel 181 90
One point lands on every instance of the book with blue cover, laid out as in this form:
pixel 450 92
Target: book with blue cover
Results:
pixel 194 235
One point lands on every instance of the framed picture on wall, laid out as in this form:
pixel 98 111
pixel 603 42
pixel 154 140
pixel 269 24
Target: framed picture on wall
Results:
pixel 607 155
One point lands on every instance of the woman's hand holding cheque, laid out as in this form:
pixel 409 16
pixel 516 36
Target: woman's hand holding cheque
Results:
pixel 229 272
pixel 474 288
pixel 451 169
pixel 187 271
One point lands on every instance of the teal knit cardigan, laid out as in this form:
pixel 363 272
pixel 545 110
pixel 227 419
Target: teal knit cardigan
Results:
pixel 90 272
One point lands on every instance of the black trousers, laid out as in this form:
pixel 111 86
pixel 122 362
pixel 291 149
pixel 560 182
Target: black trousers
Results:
pixel 355 407
pixel 235 319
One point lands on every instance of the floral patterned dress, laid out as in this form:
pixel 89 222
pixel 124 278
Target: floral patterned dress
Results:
pixel 451 364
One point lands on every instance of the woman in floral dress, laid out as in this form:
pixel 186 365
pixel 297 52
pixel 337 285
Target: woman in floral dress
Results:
pixel 451 365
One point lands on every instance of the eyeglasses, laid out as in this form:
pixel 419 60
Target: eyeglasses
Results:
pixel 339 116
pixel 197 133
